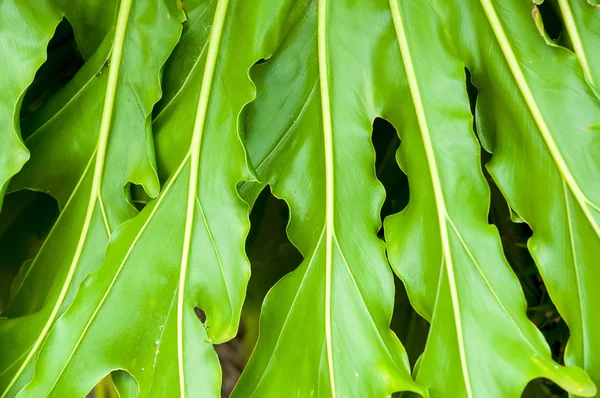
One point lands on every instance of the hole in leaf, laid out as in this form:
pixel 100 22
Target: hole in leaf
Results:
pixel 540 308
pixel 118 383
pixel 25 221
pixel 138 196
pixel 271 253
pixel 124 383
pixel 200 314
pixel 472 93
pixel 62 63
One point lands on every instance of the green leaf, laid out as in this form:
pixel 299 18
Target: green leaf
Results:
pixel 324 328
pixel 25 30
pixel 536 123
pixel 141 298
pixel 182 258
pixel 582 23
pixel 442 245
pixel 87 143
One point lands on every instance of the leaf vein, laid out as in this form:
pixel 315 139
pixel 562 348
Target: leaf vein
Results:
pixel 217 254
pixel 287 317
pixel 120 268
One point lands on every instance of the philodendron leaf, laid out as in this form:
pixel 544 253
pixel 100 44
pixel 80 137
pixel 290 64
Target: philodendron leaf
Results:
pixel 537 124
pixel 582 22
pixel 324 328
pixel 182 258
pixel 481 343
pixel 87 143
pixel 25 30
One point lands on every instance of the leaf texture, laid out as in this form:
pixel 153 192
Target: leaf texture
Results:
pixel 183 257
pixel 97 129
pixel 536 122
pixel 582 22
pixel 141 298
pixel 324 328
pixel 442 246
pixel 25 30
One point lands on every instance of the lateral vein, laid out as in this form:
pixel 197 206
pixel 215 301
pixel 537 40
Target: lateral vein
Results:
pixel 133 244
pixel 105 125
pixel 584 329
pixel 519 77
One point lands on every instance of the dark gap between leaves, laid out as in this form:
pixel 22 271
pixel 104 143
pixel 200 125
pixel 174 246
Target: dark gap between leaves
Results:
pixel 271 256
pixel 552 21
pixel 386 142
pixel 410 327
pixel 25 221
pixel 62 63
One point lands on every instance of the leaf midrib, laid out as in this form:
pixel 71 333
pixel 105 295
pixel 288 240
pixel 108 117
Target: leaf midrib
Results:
pixel 569 20
pixel 54 227
pixel 435 179
pixel 195 150
pixel 159 200
pixel 329 179
pixel 105 126
pixel 287 316
pixel 523 86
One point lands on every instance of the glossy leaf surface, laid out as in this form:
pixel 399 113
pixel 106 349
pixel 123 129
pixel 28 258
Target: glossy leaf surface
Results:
pixel 539 126
pixel 582 22
pixel 314 150
pixel 182 258
pixel 97 128
pixel 441 244
pixel 156 124
pixel 25 30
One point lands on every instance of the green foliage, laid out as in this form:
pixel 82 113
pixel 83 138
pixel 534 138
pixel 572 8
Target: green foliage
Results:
pixel 159 127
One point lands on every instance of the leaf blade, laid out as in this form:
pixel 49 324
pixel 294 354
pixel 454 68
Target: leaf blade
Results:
pixel 312 146
pixel 23 39
pixel 77 241
pixel 554 147
pixel 185 248
pixel 468 282
pixel 581 21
